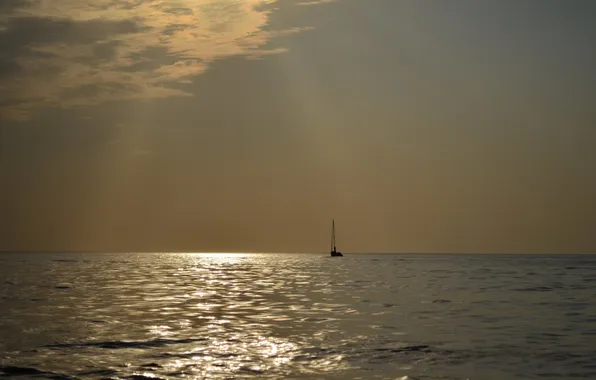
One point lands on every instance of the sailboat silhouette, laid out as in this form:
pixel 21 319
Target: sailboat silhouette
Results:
pixel 334 251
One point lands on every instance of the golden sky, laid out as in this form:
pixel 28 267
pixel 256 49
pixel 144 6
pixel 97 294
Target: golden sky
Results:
pixel 247 125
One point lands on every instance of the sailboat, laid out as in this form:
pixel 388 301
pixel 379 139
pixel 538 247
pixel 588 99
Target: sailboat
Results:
pixel 334 251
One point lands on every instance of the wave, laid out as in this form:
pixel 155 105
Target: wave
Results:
pixel 126 344
pixel 31 373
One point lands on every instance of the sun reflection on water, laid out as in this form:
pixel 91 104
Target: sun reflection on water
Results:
pixel 222 257
pixel 203 316
pixel 226 300
pixel 234 356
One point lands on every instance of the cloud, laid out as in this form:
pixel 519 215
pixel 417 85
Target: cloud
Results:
pixel 11 5
pixel 316 2
pixel 72 53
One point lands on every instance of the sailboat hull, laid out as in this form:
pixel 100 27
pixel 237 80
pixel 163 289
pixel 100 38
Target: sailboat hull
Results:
pixel 336 254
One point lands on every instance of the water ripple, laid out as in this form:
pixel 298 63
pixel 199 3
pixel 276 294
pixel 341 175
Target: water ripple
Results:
pixel 168 316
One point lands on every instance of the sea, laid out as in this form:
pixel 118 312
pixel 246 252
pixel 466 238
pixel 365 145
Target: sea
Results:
pixel 297 316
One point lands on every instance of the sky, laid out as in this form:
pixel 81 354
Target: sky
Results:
pixel 247 125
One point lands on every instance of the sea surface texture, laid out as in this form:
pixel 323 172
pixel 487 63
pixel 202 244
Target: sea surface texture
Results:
pixel 278 316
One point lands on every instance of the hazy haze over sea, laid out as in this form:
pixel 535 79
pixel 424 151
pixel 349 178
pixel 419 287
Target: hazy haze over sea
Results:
pixel 187 316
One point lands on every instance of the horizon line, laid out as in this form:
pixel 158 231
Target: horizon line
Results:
pixel 295 252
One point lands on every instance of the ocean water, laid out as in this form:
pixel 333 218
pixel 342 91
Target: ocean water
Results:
pixel 276 316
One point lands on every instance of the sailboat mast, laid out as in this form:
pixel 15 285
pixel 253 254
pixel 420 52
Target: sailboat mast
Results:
pixel 334 251
pixel 333 235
